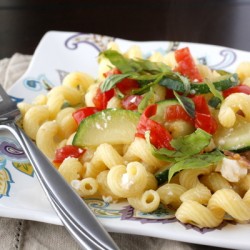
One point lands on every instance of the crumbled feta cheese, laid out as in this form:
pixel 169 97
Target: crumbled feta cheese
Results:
pixel 75 184
pixel 126 181
pixel 107 199
pixel 231 170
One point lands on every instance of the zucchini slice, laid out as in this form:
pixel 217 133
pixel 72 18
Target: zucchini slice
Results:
pixel 162 175
pixel 114 126
pixel 236 139
pixel 222 83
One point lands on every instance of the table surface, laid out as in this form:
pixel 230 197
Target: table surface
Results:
pixel 219 22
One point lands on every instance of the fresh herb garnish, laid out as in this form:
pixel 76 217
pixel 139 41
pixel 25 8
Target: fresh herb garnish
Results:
pixel 188 152
pixel 186 103
pixel 147 73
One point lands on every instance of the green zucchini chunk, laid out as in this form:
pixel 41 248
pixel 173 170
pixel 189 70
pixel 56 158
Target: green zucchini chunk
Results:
pixel 236 139
pixel 162 175
pixel 114 126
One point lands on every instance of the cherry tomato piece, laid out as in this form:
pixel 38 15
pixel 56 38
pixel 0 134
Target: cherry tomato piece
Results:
pixel 67 151
pixel 131 102
pixel 101 99
pixel 159 136
pixel 177 112
pixel 186 65
pixel 84 112
pixel 237 89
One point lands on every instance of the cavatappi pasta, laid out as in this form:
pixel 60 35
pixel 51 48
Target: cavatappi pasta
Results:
pixel 161 130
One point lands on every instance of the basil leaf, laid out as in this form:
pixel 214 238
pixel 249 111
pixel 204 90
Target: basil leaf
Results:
pixel 172 83
pixel 118 60
pixel 186 103
pixel 196 162
pixel 112 80
pixel 163 154
pixel 143 77
pixel 213 90
pixel 192 144
pixel 152 67
pixel 129 65
pixel 185 146
pixel 146 87
pixel 186 83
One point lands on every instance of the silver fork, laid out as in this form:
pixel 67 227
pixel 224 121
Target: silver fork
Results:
pixel 71 209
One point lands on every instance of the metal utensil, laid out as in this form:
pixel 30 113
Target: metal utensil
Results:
pixel 71 209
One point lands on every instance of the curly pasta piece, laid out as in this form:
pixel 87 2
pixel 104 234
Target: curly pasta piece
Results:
pixel 230 106
pixel 24 107
pixel 66 122
pixel 196 190
pixel 91 94
pixel 222 201
pixel 156 57
pixel 104 157
pixel 54 104
pixel 134 52
pixel 243 185
pixel 193 212
pixel 33 119
pixel 147 202
pixel 85 187
pixel 72 95
pixel 151 182
pixel 114 102
pixel 78 80
pixel 40 100
pixel 46 138
pixel 127 181
pixel 199 193
pixel 243 70
pixel 207 73
pixel 169 59
pixel 71 169
pixel 140 151
pixel 170 194
pixel 215 181
pixel 103 188
pixel 227 200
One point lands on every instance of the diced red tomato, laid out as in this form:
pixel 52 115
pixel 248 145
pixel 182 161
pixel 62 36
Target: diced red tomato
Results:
pixel 131 102
pixel 159 136
pixel 237 89
pixel 177 112
pixel 169 94
pixel 113 71
pixel 203 117
pixel 125 85
pixel 186 65
pixel 101 98
pixel 67 151
pixel 84 112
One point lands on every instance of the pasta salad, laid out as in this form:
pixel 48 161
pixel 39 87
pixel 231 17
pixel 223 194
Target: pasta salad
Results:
pixel 161 130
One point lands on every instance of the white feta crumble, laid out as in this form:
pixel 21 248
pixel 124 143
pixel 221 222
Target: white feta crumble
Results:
pixel 126 182
pixel 76 184
pixel 107 199
pixel 231 170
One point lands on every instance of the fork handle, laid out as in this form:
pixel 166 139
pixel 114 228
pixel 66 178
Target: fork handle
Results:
pixel 73 212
